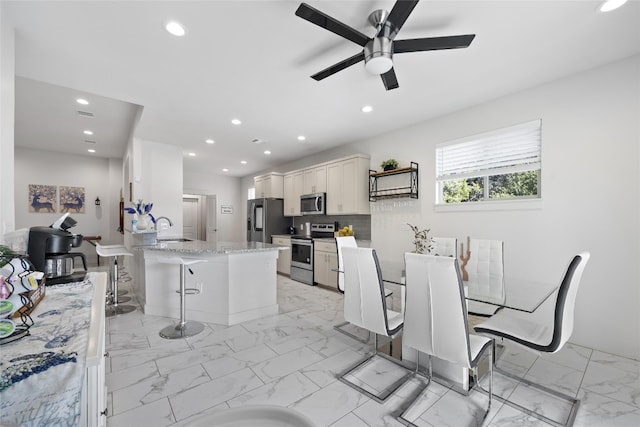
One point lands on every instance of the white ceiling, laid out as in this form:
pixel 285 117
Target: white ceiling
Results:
pixel 252 60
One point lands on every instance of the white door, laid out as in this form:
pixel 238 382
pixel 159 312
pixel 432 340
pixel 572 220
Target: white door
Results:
pixel 212 219
pixel 190 217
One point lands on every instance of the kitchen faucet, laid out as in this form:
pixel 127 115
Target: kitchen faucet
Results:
pixel 163 217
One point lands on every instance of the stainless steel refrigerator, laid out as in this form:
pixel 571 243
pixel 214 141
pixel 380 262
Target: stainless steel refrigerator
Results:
pixel 265 217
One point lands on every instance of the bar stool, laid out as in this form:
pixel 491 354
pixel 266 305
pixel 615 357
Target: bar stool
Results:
pixel 113 274
pixel 121 292
pixel 113 305
pixel 183 329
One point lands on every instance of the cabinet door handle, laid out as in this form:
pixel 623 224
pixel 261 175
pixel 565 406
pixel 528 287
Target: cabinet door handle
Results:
pixel 105 412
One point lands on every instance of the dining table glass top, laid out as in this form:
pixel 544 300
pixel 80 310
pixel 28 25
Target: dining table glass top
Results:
pixel 508 292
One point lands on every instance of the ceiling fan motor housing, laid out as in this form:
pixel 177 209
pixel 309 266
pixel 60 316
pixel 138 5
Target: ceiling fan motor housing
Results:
pixel 377 55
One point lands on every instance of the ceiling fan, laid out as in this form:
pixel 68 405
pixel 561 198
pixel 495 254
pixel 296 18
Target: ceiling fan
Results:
pixel 378 51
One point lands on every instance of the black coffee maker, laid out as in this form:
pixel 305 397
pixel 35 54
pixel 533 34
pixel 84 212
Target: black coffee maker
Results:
pixel 49 250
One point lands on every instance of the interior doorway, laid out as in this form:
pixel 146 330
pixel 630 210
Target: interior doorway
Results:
pixel 212 219
pixel 191 217
pixel 199 219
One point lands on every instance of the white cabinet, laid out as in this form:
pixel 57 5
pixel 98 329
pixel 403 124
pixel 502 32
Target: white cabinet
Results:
pixel 348 186
pixel 284 257
pixel 94 389
pixel 325 263
pixel 293 186
pixel 270 185
pixel 315 180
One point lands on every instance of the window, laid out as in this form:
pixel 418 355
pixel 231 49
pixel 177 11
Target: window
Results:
pixel 503 164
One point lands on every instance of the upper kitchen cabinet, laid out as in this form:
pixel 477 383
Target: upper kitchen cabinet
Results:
pixel 348 186
pixel 270 185
pixel 293 186
pixel 315 180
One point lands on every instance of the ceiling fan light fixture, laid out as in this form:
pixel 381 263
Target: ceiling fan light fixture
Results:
pixel 377 55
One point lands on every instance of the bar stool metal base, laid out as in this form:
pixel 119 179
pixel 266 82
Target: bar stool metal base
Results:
pixel 114 310
pixel 189 329
pixel 121 299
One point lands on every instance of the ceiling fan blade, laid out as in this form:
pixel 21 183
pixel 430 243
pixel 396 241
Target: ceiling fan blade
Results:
pixel 397 17
pixel 389 79
pixel 339 66
pixel 432 43
pixel 325 21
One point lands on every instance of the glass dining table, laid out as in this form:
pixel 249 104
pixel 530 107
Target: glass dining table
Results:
pixel 509 292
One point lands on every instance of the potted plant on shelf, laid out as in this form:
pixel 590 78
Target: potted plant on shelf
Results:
pixel 389 164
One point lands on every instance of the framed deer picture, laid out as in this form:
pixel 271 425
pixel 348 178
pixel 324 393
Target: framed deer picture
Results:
pixel 72 199
pixel 43 198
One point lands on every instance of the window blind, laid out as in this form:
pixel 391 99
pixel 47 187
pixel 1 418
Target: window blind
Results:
pixel 508 150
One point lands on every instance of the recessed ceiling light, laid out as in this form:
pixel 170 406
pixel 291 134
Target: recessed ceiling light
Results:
pixel 225 170
pixel 88 132
pixel 244 162
pixel 175 28
pixel 302 138
pixel 367 109
pixel 91 150
pixel 192 154
pixel 267 152
pixel 236 121
pixel 610 5
pixel 82 101
pixel 209 141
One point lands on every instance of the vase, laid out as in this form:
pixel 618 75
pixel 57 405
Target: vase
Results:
pixel 144 222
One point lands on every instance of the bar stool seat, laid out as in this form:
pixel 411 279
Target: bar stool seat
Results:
pixel 113 252
pixel 183 329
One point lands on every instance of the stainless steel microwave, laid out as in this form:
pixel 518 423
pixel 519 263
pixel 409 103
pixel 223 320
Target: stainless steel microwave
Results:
pixel 313 204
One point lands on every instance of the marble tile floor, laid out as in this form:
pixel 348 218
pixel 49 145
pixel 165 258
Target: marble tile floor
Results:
pixel 291 359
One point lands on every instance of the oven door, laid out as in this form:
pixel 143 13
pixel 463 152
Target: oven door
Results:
pixel 302 253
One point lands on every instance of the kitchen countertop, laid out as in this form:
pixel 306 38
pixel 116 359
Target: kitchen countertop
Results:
pixel 201 247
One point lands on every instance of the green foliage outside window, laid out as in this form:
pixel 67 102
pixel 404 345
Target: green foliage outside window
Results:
pixel 506 186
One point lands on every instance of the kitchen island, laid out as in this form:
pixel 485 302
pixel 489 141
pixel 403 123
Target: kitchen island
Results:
pixel 236 283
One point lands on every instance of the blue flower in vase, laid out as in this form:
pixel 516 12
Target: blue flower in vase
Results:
pixel 141 208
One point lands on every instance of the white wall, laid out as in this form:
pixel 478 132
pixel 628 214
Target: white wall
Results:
pixel 100 178
pixel 7 113
pixel 231 227
pixel 157 178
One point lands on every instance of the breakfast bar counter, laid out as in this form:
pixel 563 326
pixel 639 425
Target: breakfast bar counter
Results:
pixel 236 283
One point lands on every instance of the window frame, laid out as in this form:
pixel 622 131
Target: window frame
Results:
pixel 525 161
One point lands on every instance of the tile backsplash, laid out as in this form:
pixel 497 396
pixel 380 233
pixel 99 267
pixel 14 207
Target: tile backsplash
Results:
pixel 361 223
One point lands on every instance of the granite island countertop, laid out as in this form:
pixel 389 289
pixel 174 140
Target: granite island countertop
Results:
pixel 200 247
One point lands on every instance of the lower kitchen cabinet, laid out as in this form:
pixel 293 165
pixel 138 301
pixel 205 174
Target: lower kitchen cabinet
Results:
pixel 325 263
pixel 284 257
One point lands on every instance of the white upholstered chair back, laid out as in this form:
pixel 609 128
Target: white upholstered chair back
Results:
pixel 444 246
pixel 566 300
pixel 435 319
pixel 486 267
pixel 364 301
pixel 342 242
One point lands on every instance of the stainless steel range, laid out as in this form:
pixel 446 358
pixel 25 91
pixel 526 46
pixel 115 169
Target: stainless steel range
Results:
pixel 302 251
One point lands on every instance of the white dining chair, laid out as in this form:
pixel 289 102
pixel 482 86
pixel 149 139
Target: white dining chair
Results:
pixel 350 242
pixel 542 331
pixel 444 246
pixel 436 322
pixel 486 270
pixel 365 306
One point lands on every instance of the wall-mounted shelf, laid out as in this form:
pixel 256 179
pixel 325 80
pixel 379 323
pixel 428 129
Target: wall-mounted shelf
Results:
pixel 378 192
